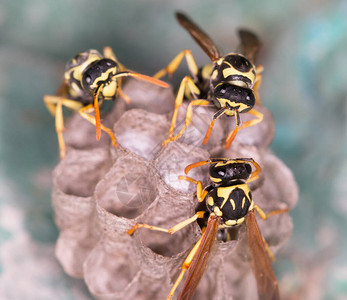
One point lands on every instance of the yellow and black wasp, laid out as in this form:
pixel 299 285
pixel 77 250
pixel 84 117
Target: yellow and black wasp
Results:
pixel 225 203
pixel 90 78
pixel 230 83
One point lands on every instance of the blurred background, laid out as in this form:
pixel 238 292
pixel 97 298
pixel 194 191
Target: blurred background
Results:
pixel 304 86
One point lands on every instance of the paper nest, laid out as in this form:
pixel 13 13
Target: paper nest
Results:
pixel 99 192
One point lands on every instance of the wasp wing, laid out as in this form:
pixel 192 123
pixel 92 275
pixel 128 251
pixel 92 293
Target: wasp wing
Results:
pixel 266 280
pixel 249 44
pixel 199 36
pixel 199 262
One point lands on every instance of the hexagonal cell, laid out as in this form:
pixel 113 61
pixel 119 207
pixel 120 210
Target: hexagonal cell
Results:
pixel 128 188
pixel 81 134
pixel 147 96
pixel 109 268
pixel 142 132
pixel 172 160
pixel 196 131
pixel 165 213
pixel 81 170
pixel 73 247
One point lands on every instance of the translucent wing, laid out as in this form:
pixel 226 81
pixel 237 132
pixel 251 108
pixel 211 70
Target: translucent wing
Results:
pixel 199 36
pixel 249 44
pixel 266 280
pixel 199 262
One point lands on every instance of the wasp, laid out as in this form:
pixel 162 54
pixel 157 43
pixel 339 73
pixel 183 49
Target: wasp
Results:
pixel 90 78
pixel 230 83
pixel 225 203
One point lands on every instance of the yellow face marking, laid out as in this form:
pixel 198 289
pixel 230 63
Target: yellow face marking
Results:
pixel 243 201
pixel 210 201
pixel 230 112
pixel 217 211
pixel 109 90
pixel 102 78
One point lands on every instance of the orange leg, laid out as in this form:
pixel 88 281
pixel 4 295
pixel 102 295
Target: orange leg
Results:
pixel 259 117
pixel 209 129
pixel 259 70
pixel 186 82
pixel 172 230
pixel 188 119
pixel 83 112
pixel 185 267
pixel 123 95
pixel 200 192
pixel 264 216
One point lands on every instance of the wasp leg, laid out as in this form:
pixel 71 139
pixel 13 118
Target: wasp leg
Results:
pixel 173 65
pixel 185 267
pixel 200 192
pixel 264 216
pixel 259 70
pixel 55 106
pixel 108 53
pixel 233 133
pixel 172 230
pixel 83 112
pixel 186 82
pixel 255 174
pixel 188 119
pixel 209 129
pixel 123 95
pixel 259 117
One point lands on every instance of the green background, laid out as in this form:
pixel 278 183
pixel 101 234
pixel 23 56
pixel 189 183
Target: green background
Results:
pixel 304 86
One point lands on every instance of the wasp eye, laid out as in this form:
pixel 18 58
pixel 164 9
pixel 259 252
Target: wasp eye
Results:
pixel 108 64
pixel 222 91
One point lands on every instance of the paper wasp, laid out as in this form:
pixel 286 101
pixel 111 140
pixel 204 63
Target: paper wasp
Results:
pixel 89 79
pixel 230 83
pixel 226 202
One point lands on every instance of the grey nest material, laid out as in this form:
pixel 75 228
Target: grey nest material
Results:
pixel 99 192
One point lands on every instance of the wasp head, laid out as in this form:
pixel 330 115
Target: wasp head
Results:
pixel 234 96
pixel 97 73
pixel 224 172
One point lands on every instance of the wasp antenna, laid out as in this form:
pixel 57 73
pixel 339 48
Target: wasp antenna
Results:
pixel 142 77
pixel 97 112
pixel 204 162
pixel 194 165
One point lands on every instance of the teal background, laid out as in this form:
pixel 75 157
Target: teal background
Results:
pixel 304 86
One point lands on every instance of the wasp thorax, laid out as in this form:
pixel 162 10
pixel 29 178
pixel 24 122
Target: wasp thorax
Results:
pixel 225 172
pixel 239 62
pixel 99 72
pixel 236 97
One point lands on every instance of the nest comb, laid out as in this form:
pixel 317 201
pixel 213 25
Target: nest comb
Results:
pixel 99 192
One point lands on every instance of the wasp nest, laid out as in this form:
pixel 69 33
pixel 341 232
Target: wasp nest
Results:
pixel 99 192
